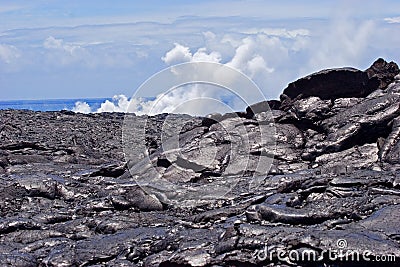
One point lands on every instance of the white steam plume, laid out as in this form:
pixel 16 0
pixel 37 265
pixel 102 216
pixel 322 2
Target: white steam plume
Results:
pixel 81 107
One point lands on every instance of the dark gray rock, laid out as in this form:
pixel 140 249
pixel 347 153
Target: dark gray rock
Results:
pixel 383 71
pixel 332 83
pixel 264 106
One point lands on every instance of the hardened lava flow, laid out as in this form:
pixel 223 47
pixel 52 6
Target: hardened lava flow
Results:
pixel 68 198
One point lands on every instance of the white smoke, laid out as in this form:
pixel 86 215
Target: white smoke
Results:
pixel 120 103
pixel 193 99
pixel 82 107
pixel 345 44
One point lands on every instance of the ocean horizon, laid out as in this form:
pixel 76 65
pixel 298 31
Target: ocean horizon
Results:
pixel 51 104
pixel 118 103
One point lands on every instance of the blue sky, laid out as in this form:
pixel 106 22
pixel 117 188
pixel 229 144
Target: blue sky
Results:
pixel 84 49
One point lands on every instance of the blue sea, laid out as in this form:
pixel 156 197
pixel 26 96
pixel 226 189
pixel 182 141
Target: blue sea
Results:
pixel 69 104
pixel 51 104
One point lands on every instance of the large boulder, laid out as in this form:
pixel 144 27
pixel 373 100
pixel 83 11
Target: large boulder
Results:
pixel 343 82
pixel 332 84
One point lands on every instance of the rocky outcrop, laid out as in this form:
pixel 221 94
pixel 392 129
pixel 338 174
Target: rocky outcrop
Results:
pixel 313 173
pixel 332 84
pixel 383 71
pixel 343 82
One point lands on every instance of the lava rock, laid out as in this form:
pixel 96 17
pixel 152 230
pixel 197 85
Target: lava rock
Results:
pixel 316 170
pixel 383 71
pixel 332 84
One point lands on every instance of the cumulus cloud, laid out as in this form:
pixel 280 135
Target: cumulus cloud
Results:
pixel 256 65
pixel 201 55
pixel 8 53
pixel 63 53
pixel 178 54
pixel 53 43
pixel 181 54
pixel 249 56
